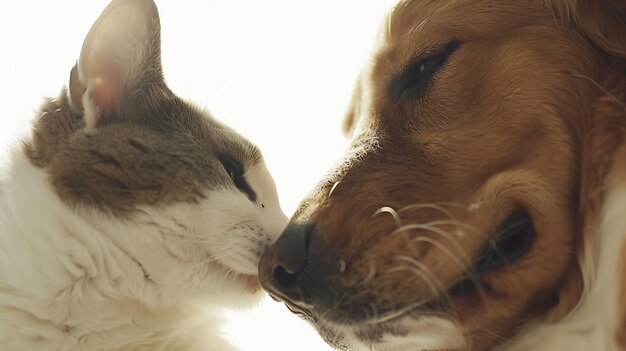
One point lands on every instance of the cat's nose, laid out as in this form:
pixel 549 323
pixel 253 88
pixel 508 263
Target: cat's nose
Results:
pixel 282 262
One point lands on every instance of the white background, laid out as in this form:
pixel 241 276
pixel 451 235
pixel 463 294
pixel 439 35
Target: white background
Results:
pixel 279 71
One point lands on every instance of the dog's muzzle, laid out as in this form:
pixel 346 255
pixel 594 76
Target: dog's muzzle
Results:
pixel 281 265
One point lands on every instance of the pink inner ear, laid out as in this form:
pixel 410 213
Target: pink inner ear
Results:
pixel 104 82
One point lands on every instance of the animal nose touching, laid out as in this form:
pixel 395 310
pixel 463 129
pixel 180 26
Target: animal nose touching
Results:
pixel 282 264
pixel 301 271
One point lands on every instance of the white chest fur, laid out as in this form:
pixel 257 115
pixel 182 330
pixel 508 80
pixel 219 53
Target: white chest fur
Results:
pixel 70 283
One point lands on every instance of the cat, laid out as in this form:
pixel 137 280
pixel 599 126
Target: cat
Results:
pixel 129 217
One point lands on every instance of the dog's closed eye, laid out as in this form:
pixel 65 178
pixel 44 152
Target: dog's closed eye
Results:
pixel 414 80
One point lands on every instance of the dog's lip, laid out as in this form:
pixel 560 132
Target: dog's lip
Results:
pixel 435 308
pixel 411 325
pixel 291 306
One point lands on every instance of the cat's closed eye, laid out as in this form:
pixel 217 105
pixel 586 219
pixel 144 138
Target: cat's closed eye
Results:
pixel 236 171
pixel 232 168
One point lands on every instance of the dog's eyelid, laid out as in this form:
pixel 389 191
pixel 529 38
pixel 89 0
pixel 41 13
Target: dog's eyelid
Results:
pixel 442 48
pixel 416 76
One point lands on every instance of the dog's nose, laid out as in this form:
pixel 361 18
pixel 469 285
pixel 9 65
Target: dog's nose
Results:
pixel 281 263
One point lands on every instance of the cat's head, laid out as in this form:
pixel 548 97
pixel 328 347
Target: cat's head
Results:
pixel 184 197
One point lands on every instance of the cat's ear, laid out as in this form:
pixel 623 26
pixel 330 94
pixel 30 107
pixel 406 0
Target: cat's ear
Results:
pixel 120 57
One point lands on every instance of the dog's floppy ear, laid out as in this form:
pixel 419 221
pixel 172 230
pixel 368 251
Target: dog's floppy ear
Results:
pixel 603 22
pixel 621 322
pixel 354 110
pixel 617 179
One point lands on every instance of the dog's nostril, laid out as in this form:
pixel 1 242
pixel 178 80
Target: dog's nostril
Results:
pixel 283 278
pixel 282 263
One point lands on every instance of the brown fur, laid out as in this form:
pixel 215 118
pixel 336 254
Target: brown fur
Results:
pixel 170 153
pixel 526 114
pixel 146 145
pixel 152 149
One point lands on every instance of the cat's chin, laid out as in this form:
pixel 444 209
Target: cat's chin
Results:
pixel 249 283
pixel 245 289
pixel 248 294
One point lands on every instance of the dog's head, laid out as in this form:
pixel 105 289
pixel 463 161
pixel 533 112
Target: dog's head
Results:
pixel 480 134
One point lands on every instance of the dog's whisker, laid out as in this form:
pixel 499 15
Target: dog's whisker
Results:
pixel 435 230
pixel 332 189
pixel 433 206
pixel 370 276
pixel 391 211
pixel 607 93
pixel 374 310
pixel 402 311
pixel 456 224
pixel 465 266
pixel 440 290
pixel 489 238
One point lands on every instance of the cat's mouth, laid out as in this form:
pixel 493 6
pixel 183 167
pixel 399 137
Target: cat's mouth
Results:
pixel 249 282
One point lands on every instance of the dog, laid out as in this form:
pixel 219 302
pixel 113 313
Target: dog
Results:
pixel 481 204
